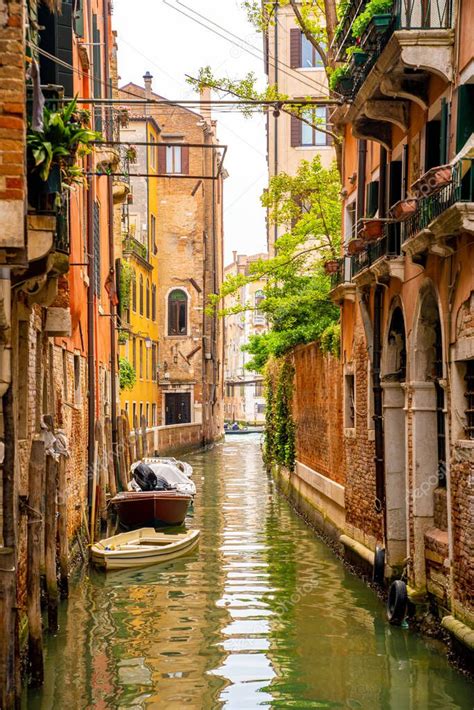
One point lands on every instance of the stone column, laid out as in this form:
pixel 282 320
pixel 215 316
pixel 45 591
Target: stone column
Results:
pixel 425 472
pixel 395 472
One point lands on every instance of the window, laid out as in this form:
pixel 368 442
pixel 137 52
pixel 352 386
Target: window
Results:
pixel 140 295
pixel 140 357
pixel 147 298
pixel 349 403
pixel 152 152
pixel 134 414
pixel 173 159
pixel 311 135
pixel 147 414
pixel 77 380
pixel 177 312
pixel 134 353
pixel 153 362
pixel 154 246
pixel 154 420
pixel 261 408
pixel 134 292
pixel 65 375
pixel 259 389
pixel 469 394
pixel 153 302
pixel 310 57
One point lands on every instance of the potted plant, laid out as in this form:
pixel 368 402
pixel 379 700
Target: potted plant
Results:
pixel 341 80
pixel 357 55
pixel 331 266
pixel 378 9
pixel 372 229
pixel 131 154
pixel 355 246
pixel 403 208
pixel 52 154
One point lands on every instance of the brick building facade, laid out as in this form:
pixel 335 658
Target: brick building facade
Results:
pixel 399 432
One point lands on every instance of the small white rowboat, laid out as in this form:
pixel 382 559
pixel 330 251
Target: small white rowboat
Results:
pixel 141 548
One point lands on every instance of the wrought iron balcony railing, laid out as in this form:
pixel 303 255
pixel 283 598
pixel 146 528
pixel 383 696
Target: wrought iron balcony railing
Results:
pixel 406 15
pixel 131 245
pixel 387 246
pixel 459 189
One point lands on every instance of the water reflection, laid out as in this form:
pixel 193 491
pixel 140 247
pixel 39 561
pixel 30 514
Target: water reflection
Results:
pixel 262 615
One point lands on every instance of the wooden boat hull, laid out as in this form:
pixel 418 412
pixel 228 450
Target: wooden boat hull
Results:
pixel 136 509
pixel 142 548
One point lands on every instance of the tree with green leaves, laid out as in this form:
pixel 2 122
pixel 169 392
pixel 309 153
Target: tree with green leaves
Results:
pixel 296 289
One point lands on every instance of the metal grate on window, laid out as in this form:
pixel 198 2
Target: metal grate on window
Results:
pixel 469 394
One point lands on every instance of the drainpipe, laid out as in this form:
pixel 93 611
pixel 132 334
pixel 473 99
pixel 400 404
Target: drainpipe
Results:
pixel 110 208
pixel 90 329
pixel 378 411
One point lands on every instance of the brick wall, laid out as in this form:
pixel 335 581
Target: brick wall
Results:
pixel 359 446
pixel 12 123
pixel 318 412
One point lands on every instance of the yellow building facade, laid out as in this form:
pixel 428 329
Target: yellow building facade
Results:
pixel 139 331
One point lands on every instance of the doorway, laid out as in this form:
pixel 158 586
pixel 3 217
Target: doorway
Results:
pixel 177 408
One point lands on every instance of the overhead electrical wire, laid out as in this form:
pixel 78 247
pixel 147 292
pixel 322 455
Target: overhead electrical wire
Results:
pixel 193 19
pixel 295 74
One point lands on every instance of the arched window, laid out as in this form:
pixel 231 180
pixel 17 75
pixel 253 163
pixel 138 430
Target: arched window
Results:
pixel 140 295
pixel 153 302
pixel 147 298
pixel 177 312
pixel 134 292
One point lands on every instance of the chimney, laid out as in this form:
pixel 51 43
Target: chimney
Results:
pixel 147 78
pixel 205 96
pixel 234 256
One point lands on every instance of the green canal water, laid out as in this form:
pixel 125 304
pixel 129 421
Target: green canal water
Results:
pixel 263 615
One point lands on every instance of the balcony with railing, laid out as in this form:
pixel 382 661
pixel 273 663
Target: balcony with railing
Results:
pixel 132 246
pixel 390 54
pixel 443 208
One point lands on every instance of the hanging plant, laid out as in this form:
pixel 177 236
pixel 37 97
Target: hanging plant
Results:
pixel 127 374
pixel 126 277
pixel 131 154
pixel 339 76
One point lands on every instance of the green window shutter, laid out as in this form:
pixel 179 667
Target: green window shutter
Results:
pixel 465 122
pixel 372 198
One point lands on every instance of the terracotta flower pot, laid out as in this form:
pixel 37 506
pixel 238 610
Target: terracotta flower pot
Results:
pixel 433 180
pixel 331 266
pixel 372 230
pixel 355 246
pixel 404 208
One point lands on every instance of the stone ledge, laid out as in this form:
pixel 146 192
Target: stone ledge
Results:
pixel 325 486
pixel 359 549
pixel 461 631
pixel 343 292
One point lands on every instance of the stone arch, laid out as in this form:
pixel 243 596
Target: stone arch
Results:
pixel 393 373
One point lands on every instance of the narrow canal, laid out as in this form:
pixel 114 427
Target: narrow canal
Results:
pixel 263 615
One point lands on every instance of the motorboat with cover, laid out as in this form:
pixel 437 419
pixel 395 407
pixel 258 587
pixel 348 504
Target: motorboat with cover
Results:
pixel 141 548
pixel 168 472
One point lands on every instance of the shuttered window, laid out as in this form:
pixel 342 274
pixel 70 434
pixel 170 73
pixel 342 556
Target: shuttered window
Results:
pixel 173 160
pixel 303 134
pixel 372 198
pixel 302 53
pixel 56 38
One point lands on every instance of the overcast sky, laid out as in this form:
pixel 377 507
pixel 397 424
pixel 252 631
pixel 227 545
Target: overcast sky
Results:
pixel 155 37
